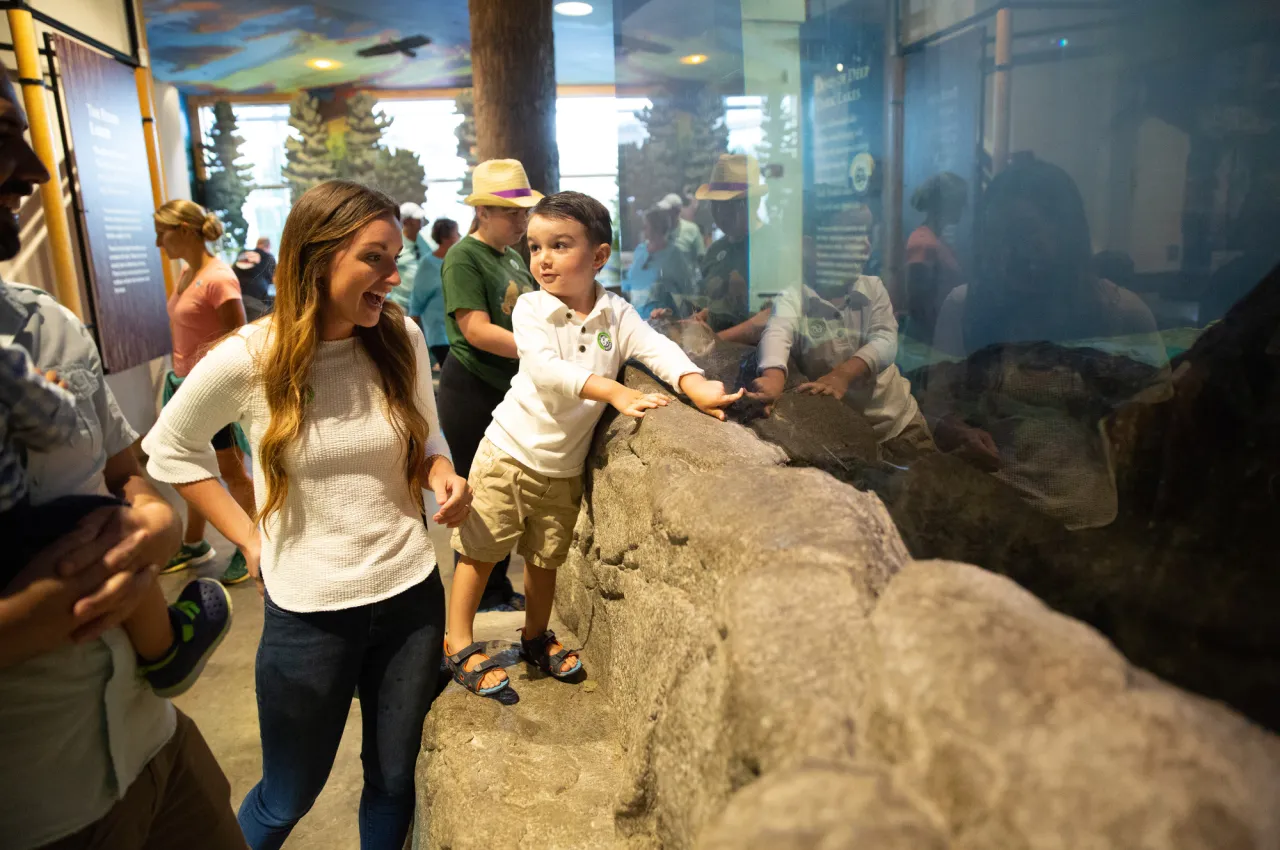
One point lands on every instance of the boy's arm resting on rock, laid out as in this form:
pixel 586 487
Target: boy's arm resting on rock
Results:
pixel 627 401
pixel 668 361
pixel 540 356
pixel 661 355
pixel 881 348
pixel 779 335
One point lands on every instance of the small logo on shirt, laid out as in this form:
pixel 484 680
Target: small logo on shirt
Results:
pixel 720 257
pixel 604 341
pixel 816 330
pixel 515 264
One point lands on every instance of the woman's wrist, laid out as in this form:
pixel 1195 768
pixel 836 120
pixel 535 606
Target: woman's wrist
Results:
pixel 438 465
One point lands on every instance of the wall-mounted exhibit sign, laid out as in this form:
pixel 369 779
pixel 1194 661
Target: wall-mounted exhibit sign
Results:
pixel 844 140
pixel 943 114
pixel 925 18
pixel 100 99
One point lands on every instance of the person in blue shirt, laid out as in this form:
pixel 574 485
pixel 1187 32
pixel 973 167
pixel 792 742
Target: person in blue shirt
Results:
pixel 412 218
pixel 426 302
pixel 659 275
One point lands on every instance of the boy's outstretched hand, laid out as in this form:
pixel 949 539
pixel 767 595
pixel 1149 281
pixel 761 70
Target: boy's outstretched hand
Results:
pixel 631 402
pixel 708 396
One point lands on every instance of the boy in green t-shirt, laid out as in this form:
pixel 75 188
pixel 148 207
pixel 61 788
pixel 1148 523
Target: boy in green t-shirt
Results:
pixel 479 277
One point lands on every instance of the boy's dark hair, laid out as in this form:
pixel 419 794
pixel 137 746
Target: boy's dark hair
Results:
pixel 441 229
pixel 584 209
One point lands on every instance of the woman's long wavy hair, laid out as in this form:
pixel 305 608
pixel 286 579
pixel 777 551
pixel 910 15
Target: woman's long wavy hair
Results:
pixel 320 226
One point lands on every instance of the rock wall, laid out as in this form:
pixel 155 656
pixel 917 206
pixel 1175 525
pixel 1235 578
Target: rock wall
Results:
pixel 783 675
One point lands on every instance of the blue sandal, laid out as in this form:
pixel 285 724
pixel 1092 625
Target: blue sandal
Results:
pixel 470 679
pixel 536 653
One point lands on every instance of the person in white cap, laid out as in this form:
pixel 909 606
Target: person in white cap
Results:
pixel 728 275
pixel 412 219
pixel 685 235
pixel 483 276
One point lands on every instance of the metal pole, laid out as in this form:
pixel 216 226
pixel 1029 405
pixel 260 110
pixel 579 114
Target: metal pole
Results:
pixel 895 81
pixel 66 283
pixel 150 133
pixel 1003 89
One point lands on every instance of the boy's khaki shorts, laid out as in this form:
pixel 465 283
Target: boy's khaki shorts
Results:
pixel 515 506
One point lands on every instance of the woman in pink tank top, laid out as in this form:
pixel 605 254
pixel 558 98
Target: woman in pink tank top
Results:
pixel 205 307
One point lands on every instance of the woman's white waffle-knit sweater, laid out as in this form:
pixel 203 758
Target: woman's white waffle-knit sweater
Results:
pixel 349 532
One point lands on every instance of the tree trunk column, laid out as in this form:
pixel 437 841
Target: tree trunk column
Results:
pixel 513 71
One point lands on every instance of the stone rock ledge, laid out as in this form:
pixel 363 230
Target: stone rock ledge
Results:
pixel 783 675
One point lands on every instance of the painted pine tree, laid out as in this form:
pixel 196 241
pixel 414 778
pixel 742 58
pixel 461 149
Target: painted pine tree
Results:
pixel 685 137
pixel 656 169
pixel 229 182
pixel 400 174
pixel 779 146
pixel 464 105
pixel 365 127
pixel 307 159
pixel 708 137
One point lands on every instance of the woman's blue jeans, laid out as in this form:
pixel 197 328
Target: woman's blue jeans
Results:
pixel 308 669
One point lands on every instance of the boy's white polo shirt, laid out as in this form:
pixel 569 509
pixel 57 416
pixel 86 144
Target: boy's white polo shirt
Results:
pixel 542 422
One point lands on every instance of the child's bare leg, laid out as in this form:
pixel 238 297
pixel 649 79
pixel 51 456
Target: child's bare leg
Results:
pixel 469 579
pixel 539 595
pixel 195 526
pixel 149 628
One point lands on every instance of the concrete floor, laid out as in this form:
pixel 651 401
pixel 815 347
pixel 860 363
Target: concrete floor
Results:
pixel 223 705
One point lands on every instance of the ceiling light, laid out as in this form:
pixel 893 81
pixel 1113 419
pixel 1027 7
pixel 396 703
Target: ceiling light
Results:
pixel 839 67
pixel 694 59
pixel 574 10
pixel 324 64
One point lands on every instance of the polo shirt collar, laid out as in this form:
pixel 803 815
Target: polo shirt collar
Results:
pixel 856 300
pixel 553 307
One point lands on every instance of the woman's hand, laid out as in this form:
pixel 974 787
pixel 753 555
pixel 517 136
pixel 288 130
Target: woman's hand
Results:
pixel 452 492
pixel 252 551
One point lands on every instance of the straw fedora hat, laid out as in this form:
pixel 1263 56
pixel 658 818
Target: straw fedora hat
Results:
pixel 501 183
pixel 735 175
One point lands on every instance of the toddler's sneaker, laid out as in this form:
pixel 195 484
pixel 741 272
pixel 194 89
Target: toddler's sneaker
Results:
pixel 190 555
pixel 201 618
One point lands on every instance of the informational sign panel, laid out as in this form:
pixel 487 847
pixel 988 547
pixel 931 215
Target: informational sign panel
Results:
pixel 924 18
pixel 100 98
pixel 943 110
pixel 844 136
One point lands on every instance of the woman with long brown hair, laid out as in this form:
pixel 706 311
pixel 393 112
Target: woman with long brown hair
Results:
pixel 334 392
pixel 206 305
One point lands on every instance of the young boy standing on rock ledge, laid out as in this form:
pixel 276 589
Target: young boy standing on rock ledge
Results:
pixel 527 475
